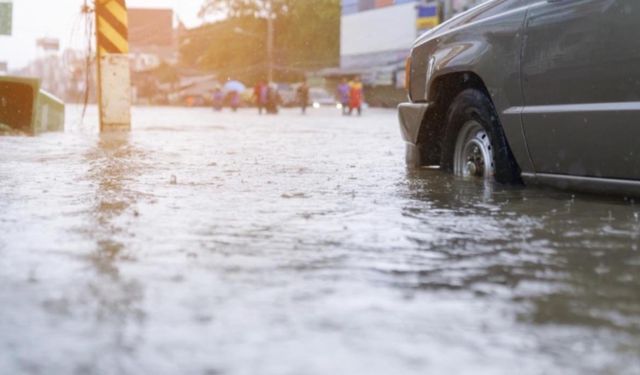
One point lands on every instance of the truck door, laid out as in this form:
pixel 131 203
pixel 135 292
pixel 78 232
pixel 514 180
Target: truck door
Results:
pixel 581 86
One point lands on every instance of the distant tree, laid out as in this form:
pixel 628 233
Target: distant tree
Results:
pixel 244 8
pixel 310 30
pixel 220 49
pixel 307 37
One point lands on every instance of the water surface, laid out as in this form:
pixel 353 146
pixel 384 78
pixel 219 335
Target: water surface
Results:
pixel 207 243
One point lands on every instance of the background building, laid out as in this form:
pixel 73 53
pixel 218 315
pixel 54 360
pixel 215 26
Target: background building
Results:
pixel 375 39
pixel 154 36
pixel 61 73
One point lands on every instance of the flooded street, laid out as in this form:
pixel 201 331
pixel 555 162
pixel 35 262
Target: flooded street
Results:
pixel 221 243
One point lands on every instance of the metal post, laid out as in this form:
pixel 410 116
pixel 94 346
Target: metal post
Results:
pixel 114 77
pixel 270 32
pixel 448 9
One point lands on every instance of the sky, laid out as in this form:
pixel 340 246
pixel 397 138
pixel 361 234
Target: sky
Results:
pixel 33 19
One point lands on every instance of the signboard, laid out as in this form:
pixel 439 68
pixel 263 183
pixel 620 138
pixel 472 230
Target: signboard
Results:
pixel 48 44
pixel 6 11
pixel 428 17
pixel 377 78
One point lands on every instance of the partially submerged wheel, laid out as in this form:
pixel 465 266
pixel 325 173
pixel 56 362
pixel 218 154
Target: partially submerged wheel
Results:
pixel 474 144
pixel 473 155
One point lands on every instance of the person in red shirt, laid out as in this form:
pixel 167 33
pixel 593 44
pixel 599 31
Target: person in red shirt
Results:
pixel 356 96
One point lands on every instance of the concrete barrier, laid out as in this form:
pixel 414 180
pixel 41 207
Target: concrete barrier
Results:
pixel 25 108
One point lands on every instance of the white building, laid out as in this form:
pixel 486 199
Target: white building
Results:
pixel 376 35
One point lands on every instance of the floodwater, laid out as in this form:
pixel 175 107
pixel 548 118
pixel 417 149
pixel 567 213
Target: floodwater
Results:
pixel 205 243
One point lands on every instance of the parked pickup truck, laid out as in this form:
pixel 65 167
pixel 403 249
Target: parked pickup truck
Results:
pixel 544 91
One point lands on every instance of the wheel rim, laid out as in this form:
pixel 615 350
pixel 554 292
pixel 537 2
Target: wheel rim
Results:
pixel 473 155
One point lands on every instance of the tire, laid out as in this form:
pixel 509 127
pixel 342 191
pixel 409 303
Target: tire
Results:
pixel 474 143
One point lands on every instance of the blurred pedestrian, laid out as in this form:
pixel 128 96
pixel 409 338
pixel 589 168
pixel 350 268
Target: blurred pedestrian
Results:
pixel 264 96
pixel 190 101
pixel 234 100
pixel 218 99
pixel 303 96
pixel 273 99
pixel 260 93
pixel 343 95
pixel 356 95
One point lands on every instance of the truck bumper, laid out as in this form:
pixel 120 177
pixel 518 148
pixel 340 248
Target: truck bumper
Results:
pixel 411 116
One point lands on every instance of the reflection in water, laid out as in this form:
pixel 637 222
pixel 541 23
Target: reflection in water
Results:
pixel 113 163
pixel 568 261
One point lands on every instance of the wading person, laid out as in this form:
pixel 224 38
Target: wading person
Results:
pixel 218 99
pixel 355 96
pixel 343 95
pixel 234 100
pixel 273 99
pixel 303 96
pixel 260 92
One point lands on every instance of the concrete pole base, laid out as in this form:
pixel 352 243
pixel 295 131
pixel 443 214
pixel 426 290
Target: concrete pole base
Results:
pixel 115 92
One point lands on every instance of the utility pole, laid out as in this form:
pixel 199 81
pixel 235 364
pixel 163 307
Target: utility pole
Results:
pixel 270 37
pixel 114 77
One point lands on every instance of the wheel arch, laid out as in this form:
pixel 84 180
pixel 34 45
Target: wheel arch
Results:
pixel 442 91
